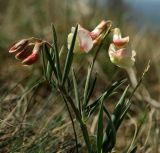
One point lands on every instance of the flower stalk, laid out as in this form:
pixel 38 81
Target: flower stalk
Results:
pixel 83 126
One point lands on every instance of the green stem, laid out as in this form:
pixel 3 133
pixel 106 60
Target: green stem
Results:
pixel 86 137
pixel 74 130
pixel 78 116
pixel 101 44
pixel 92 65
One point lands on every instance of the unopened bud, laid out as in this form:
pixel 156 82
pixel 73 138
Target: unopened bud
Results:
pixel 98 40
pixel 24 53
pixel 99 29
pixel 37 47
pixel 32 58
pixel 18 46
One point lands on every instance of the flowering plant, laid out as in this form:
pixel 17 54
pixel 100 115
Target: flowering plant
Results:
pixel 81 40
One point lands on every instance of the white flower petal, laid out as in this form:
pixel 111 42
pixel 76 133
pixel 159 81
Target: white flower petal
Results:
pixel 77 45
pixel 73 29
pixel 85 40
pixel 116 34
pixel 121 57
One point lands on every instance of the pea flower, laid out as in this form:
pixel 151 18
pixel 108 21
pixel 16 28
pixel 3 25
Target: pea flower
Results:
pixel 117 38
pixel 121 57
pixel 18 46
pixel 27 50
pixel 86 40
pixel 34 56
pixel 83 41
pixel 99 31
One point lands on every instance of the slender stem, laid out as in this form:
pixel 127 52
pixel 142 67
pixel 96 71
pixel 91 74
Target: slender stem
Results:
pixel 86 137
pixel 78 116
pixel 74 130
pixel 92 64
pixel 69 99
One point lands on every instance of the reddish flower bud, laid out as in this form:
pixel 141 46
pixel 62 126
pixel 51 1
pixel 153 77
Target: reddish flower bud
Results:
pixel 19 46
pixel 32 58
pixel 98 40
pixel 99 29
pixel 37 47
pixel 24 53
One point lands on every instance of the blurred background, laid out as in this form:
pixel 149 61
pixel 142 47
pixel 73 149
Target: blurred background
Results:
pixel 140 19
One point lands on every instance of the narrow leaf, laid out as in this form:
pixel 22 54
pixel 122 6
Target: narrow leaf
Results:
pixel 91 88
pixel 92 107
pixel 52 64
pixel 86 89
pixel 69 57
pixel 119 109
pixel 61 51
pixel 134 149
pixel 44 63
pixel 76 91
pixel 55 46
pixel 121 102
pixel 49 69
pixel 110 133
pixel 100 128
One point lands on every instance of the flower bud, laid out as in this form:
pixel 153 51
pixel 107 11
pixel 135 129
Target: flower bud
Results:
pixel 31 59
pixel 34 56
pixel 98 40
pixel 19 46
pixel 24 53
pixel 121 57
pixel 99 29
pixel 118 40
